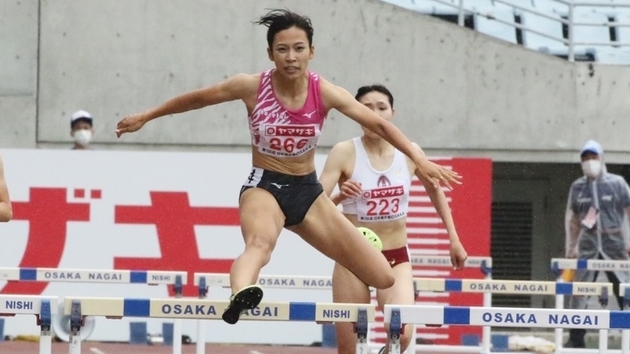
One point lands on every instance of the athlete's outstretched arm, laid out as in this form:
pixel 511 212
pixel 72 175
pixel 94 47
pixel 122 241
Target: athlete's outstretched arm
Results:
pixel 6 212
pixel 231 89
pixel 439 201
pixel 340 99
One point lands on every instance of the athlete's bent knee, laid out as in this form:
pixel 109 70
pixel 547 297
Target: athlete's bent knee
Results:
pixel 262 245
pixel 385 281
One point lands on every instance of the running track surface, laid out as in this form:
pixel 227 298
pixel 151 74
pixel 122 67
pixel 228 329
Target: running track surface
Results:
pixel 17 347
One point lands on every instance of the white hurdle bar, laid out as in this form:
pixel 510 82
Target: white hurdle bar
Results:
pixel 602 320
pixel 484 264
pixel 519 287
pixel 111 276
pixel 66 275
pixel 205 280
pixel 43 307
pixel 79 307
pixel 560 264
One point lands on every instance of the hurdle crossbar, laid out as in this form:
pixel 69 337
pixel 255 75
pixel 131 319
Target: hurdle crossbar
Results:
pixel 150 277
pixel 43 307
pixel 269 281
pixel 509 317
pixel 524 287
pixel 589 264
pixel 601 320
pixel 201 309
pixel 483 263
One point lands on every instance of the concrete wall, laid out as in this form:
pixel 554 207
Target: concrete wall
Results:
pixel 458 92
pixel 19 29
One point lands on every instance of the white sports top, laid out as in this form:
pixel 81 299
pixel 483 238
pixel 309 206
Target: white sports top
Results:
pixel 385 194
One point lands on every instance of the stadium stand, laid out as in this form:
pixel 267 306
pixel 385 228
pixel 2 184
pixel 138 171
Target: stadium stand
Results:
pixel 589 30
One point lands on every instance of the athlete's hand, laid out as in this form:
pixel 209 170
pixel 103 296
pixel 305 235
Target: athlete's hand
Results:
pixel 458 255
pixel 130 124
pixel 350 189
pixel 437 174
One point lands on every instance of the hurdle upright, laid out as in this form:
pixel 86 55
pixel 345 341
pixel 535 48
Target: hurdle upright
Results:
pixel 43 307
pixel 176 279
pixel 602 320
pixel 200 309
pixel 560 264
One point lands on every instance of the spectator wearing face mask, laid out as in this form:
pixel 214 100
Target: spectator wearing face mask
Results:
pixel 596 225
pixel 81 130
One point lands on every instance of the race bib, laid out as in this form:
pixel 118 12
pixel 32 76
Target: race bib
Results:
pixel 382 204
pixel 288 140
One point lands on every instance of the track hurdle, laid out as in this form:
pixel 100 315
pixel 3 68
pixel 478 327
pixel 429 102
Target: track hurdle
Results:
pixel 484 264
pixel 109 276
pixel 205 280
pixel 560 264
pixel 79 307
pixel 520 287
pixel 43 307
pixel 602 320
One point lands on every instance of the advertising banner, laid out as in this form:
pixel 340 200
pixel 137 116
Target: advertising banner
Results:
pixel 102 212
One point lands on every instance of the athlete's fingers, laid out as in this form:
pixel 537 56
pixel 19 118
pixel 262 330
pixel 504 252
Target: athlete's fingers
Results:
pixel 446 183
pixel 452 176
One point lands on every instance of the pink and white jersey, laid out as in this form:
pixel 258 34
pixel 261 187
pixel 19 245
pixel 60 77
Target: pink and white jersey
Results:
pixel 384 194
pixel 279 131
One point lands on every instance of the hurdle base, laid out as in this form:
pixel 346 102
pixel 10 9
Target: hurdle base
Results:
pixel 587 351
pixel 426 348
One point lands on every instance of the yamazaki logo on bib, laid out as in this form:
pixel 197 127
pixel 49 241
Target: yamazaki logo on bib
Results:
pixel 288 130
pixel 288 140
pixel 384 192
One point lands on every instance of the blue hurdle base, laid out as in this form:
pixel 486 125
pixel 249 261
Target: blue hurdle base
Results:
pixel 329 337
pixel 138 332
pixel 167 333
pixel 500 343
pixel 470 340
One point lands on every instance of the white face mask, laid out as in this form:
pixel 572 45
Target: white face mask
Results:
pixel 82 137
pixel 592 168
